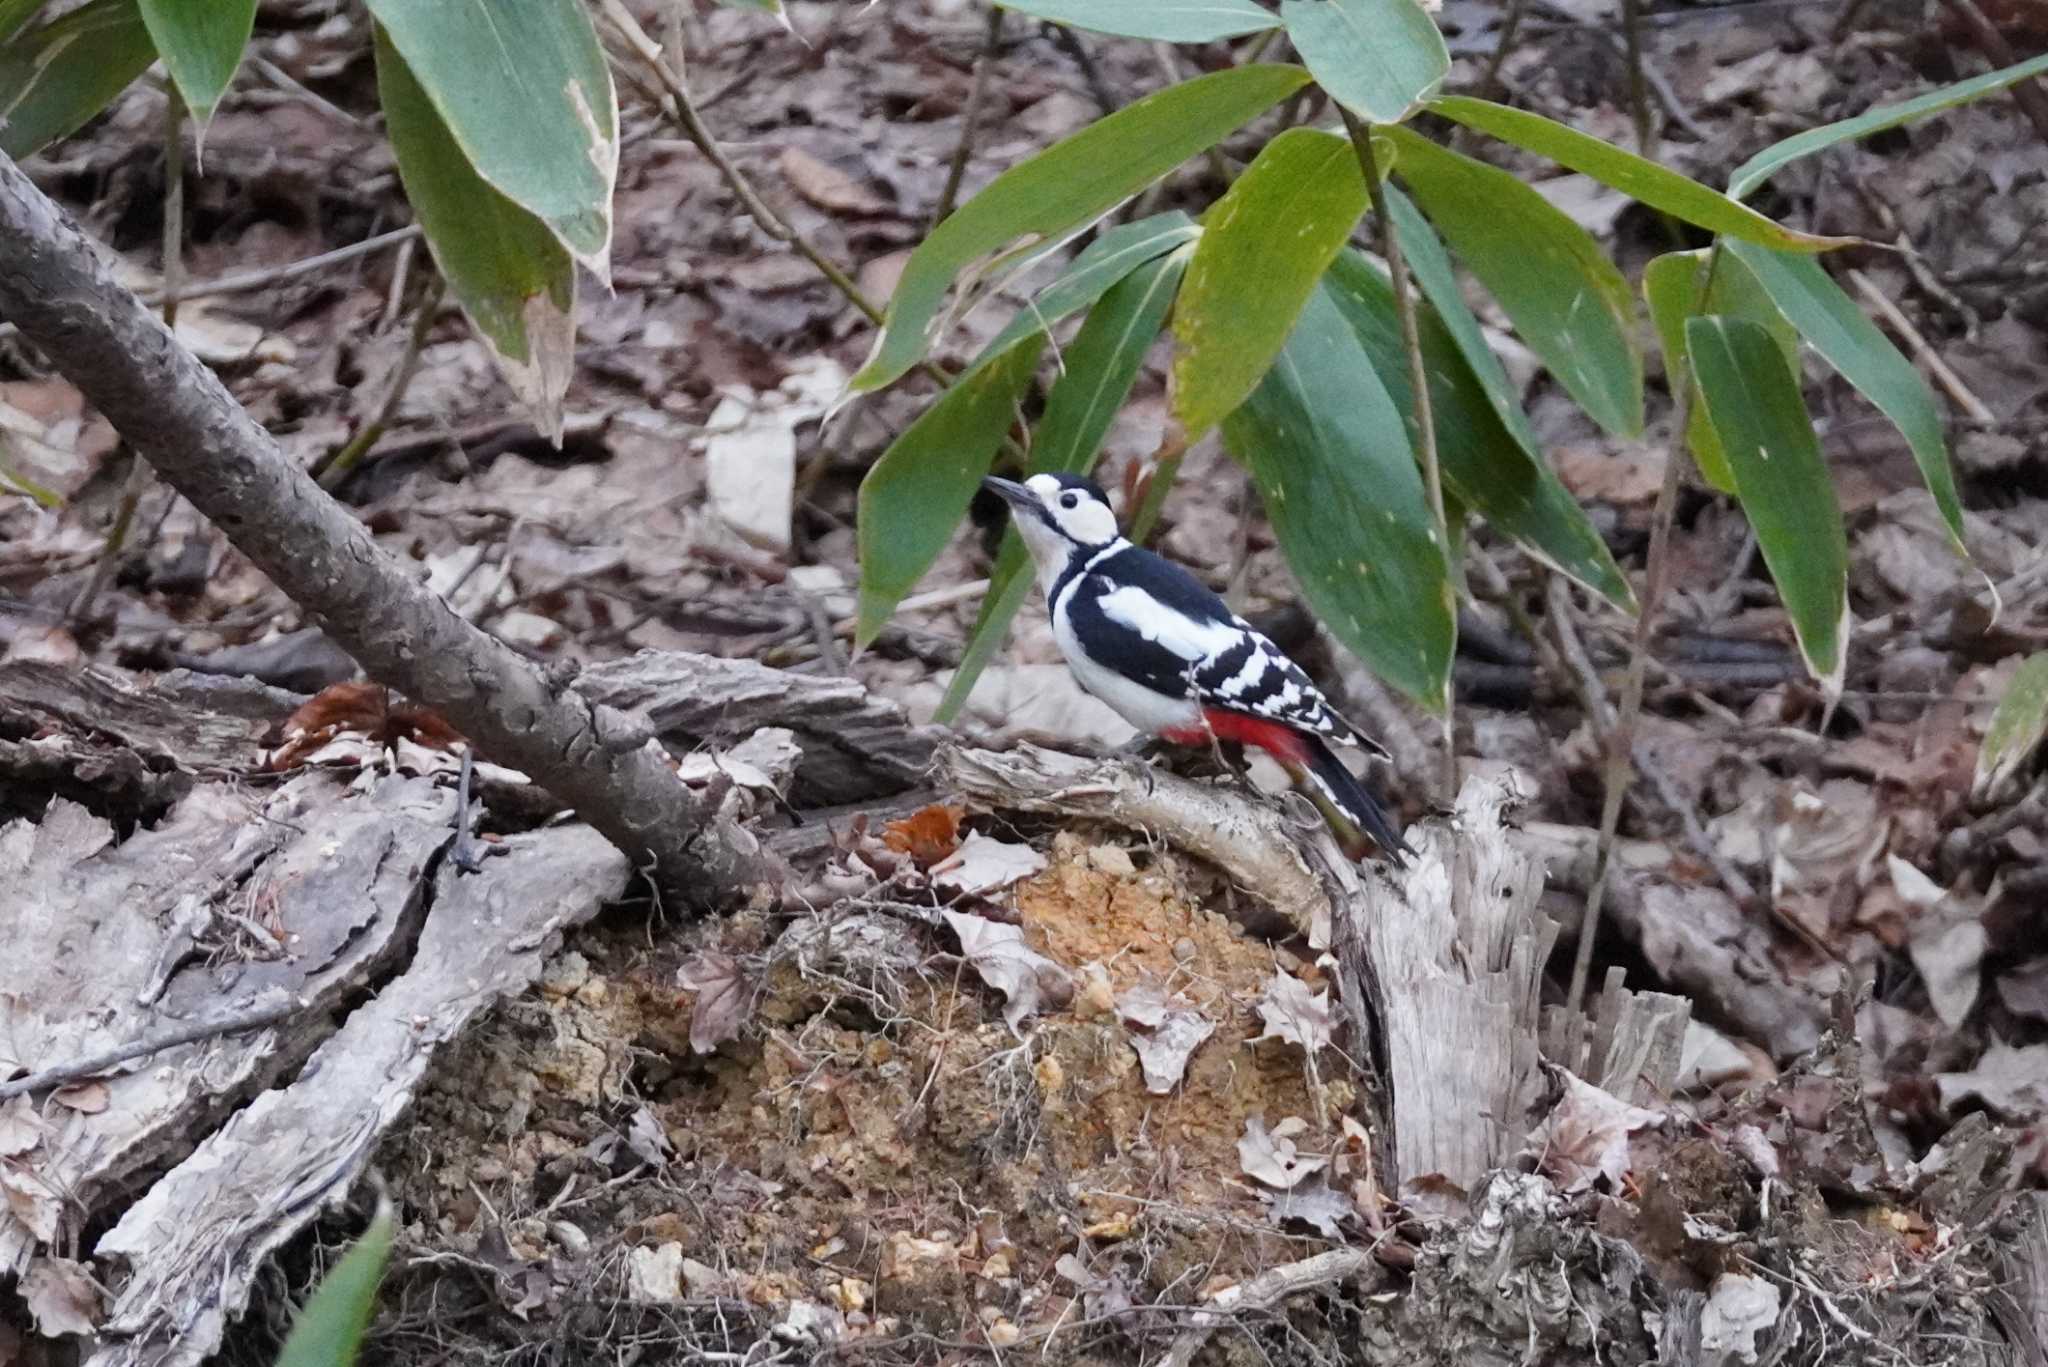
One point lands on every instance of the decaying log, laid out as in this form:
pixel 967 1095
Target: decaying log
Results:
pixel 59 291
pixel 1249 839
pixel 1452 963
pixel 108 943
pixel 856 746
pixel 194 1243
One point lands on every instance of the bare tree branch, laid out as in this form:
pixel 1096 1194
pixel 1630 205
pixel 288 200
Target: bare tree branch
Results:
pixel 57 290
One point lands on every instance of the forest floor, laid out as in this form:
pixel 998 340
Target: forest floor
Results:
pixel 860 1155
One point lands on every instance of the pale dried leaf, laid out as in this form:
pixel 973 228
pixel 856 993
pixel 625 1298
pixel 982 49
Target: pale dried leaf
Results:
pixel 1170 1030
pixel 1270 1155
pixel 31 1201
pixel 1313 1202
pixel 62 1296
pixel 982 865
pixel 646 1138
pixel 2011 1081
pixel 1026 978
pixel 87 1098
pixel 1950 961
pixel 20 1128
pixel 1737 1310
pixel 655 1275
pixel 722 993
pixel 1585 1137
pixel 827 186
pixel 1293 1013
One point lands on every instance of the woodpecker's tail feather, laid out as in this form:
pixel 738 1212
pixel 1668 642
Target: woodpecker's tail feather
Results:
pixel 1352 798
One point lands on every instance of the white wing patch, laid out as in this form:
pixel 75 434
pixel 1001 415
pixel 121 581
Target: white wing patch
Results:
pixel 1172 630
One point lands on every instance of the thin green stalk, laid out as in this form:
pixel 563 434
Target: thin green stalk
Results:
pixel 351 455
pixel 1620 765
pixel 1418 379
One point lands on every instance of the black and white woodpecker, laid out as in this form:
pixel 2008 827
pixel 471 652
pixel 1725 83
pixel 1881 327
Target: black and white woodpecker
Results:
pixel 1149 639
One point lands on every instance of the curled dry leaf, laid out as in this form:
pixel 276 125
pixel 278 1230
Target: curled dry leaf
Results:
pixel 350 723
pixel 1737 1310
pixel 20 1128
pixel 31 1201
pixel 62 1296
pixel 1027 979
pixel 722 992
pixel 1313 1202
pixel 1270 1155
pixel 1585 1136
pixel 2012 1081
pixel 927 835
pixel 1169 1031
pixel 981 866
pixel 828 187
pixel 87 1098
pixel 1293 1013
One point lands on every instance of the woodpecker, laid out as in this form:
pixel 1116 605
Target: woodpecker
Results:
pixel 1149 639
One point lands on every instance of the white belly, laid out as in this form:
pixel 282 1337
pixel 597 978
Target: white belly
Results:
pixel 1143 708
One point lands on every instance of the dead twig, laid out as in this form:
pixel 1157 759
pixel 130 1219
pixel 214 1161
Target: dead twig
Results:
pixel 1267 1290
pixel 1973 407
pixel 2027 94
pixel 246 281
pixel 970 118
pixel 234 1024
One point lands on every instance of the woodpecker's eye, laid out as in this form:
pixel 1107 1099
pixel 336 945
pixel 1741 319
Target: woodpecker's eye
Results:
pixel 1070 500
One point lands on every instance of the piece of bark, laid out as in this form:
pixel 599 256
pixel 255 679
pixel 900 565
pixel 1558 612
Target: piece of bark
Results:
pixel 191 721
pixel 61 295
pixel 1633 1048
pixel 1246 837
pixel 856 746
pixel 105 947
pixel 1452 962
pixel 194 1244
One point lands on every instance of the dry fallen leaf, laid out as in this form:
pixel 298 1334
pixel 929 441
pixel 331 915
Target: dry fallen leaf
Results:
pixel 1585 1136
pixel 31 1201
pixel 2011 1081
pixel 927 835
pixel 982 865
pixel 722 992
pixel 1026 978
pixel 1294 1014
pixel 1313 1202
pixel 1270 1155
pixel 827 186
pixel 350 723
pixel 62 1296
pixel 20 1128
pixel 1169 1033
pixel 87 1098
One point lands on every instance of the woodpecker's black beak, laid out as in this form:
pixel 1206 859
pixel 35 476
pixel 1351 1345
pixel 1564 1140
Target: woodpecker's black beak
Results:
pixel 1010 492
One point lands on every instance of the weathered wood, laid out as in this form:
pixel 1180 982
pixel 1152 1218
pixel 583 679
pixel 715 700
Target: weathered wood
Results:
pixel 1452 962
pixel 856 746
pixel 1633 1047
pixel 1246 837
pixel 194 1243
pixel 109 943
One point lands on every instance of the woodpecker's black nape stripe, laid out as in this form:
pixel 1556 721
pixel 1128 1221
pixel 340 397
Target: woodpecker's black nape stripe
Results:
pixel 1343 788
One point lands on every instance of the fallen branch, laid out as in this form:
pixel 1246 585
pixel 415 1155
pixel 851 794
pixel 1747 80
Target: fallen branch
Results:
pixel 60 294
pixel 1268 1289
pixel 95 1064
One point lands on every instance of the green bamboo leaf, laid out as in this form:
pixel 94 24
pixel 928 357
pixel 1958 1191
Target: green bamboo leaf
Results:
pixel 2016 729
pixel 1672 285
pixel 525 93
pixel 328 1330
pixel 1833 326
pixel 1654 185
pixel 1033 207
pixel 14 16
pixel 1329 452
pixel 1484 464
pixel 1565 298
pixel 1165 21
pixel 1380 58
pixel 1778 155
pixel 1753 400
pixel 507 269
pixel 54 78
pixel 1114 254
pixel 201 42
pixel 1101 364
pixel 1264 246
pixel 913 497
